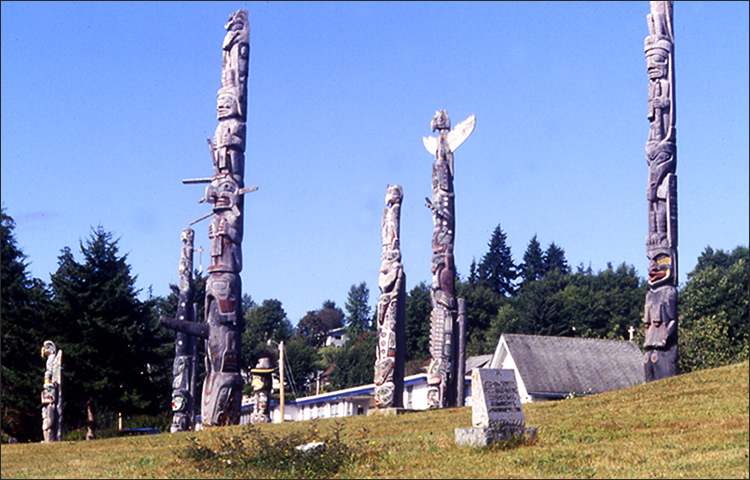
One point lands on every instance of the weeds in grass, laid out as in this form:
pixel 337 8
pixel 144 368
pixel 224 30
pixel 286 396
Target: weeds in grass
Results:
pixel 572 395
pixel 299 454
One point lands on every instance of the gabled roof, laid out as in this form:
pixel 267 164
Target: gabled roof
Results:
pixel 477 361
pixel 561 365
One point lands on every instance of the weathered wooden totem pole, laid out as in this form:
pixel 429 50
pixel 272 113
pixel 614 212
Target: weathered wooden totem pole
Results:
pixel 660 316
pixel 222 387
pixel 444 328
pixel 52 414
pixel 389 358
pixel 262 382
pixel 185 356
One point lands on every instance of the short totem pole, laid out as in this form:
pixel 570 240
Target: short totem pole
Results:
pixel 262 382
pixel 389 358
pixel 52 415
pixel 441 374
pixel 222 387
pixel 660 316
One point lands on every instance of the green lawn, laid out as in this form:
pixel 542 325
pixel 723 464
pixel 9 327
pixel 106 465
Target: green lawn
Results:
pixel 690 426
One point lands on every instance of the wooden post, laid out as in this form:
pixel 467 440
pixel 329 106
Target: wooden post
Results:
pixel 281 380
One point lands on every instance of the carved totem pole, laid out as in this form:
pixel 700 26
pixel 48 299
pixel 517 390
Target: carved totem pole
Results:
pixel 660 316
pixel 184 366
pixel 262 382
pixel 389 358
pixel 52 415
pixel 441 375
pixel 222 387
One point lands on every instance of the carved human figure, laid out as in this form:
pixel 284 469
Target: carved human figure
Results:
pixel 440 375
pixel 262 383
pixel 229 137
pixel 389 358
pixel 51 393
pixel 660 312
pixel 236 55
pixel 225 229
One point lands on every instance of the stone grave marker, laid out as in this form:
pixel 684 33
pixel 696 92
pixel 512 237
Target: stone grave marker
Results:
pixel 496 411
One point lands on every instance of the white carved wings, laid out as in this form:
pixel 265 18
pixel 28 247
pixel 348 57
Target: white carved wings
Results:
pixel 460 133
pixel 430 143
pixel 57 367
pixel 455 137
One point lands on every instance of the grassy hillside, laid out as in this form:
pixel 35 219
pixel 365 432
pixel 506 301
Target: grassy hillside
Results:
pixel 693 425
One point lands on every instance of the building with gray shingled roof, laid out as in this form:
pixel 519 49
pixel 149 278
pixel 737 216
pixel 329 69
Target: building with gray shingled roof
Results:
pixel 549 368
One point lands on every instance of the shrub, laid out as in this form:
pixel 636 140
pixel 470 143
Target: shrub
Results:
pixel 254 454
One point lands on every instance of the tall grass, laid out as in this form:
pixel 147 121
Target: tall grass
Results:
pixel 690 426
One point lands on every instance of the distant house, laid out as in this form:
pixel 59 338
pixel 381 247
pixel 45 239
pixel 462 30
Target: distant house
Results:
pixel 337 337
pixel 550 368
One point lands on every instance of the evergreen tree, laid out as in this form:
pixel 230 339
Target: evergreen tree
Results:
pixel 358 318
pixel 533 266
pixel 24 305
pixel 540 308
pixel 473 274
pixel 497 270
pixel 417 327
pixel 554 258
pixel 110 338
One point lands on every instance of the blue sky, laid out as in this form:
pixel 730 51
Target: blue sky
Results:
pixel 106 108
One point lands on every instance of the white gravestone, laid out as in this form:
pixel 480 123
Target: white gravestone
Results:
pixel 496 412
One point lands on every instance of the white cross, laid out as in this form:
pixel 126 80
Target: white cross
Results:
pixel 630 331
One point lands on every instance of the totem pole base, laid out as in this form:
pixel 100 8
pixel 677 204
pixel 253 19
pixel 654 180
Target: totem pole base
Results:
pixel 659 364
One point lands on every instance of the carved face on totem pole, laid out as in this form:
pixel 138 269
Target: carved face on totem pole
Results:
pixel 657 61
pixel 660 267
pixel 440 121
pixel 49 349
pixel 394 194
pixel 224 192
pixel 227 104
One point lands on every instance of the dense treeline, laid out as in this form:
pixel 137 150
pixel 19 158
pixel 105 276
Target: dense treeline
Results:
pixel 117 358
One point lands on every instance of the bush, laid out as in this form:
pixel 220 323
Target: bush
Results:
pixel 254 454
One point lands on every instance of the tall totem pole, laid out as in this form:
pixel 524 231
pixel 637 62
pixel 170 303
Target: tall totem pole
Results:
pixel 52 414
pixel 441 374
pixel 389 359
pixel 660 316
pixel 222 387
